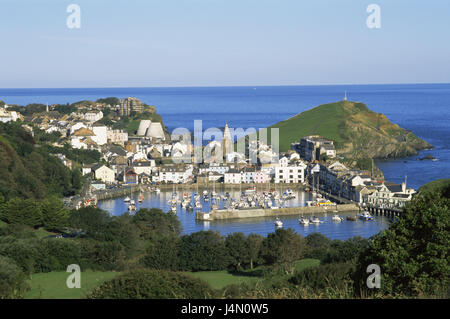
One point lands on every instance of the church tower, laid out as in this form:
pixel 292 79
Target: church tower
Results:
pixel 227 142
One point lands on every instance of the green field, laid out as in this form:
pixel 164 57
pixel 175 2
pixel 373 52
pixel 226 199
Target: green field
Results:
pixel 52 285
pixel 221 279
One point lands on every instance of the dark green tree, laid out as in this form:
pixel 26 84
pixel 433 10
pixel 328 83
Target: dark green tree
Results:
pixel 54 215
pixel 282 248
pixel 413 254
pixel 22 211
pixel 204 250
pixel 254 244
pixel 237 250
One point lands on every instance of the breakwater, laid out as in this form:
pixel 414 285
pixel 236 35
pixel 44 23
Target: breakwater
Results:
pixel 260 212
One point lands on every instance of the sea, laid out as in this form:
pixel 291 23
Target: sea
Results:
pixel 422 108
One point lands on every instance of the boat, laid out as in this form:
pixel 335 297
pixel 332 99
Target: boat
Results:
pixel 141 199
pixel 126 199
pixel 315 220
pixel 174 209
pixel 132 202
pixel 278 222
pixel 351 218
pixel 304 221
pixel 131 208
pixel 337 218
pixel 365 215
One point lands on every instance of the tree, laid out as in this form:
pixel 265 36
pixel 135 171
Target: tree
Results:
pixel 317 246
pixel 54 215
pixel 92 221
pixel 204 250
pixel 413 252
pixel 162 254
pixel 153 222
pixel 22 211
pixel 254 244
pixel 237 250
pixel 282 248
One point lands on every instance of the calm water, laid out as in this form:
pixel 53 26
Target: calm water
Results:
pixel 421 108
pixel 263 226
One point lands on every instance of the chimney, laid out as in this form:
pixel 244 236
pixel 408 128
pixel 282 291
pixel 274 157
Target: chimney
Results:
pixel 403 187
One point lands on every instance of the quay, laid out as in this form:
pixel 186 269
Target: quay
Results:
pixel 221 214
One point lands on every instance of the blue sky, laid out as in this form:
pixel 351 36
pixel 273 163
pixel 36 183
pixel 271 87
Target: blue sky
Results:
pixel 222 42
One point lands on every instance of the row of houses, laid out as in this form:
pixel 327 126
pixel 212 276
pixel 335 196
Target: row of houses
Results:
pixel 358 186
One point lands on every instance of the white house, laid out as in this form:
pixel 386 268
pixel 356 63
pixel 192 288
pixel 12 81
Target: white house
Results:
pixel 144 167
pixel 93 116
pixel 100 134
pixel 290 174
pixel 104 173
pixel 233 176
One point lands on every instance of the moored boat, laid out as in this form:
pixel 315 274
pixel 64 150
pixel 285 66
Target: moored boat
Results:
pixel 365 216
pixel 278 222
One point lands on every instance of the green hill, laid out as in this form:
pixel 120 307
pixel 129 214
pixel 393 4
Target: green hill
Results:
pixel 356 131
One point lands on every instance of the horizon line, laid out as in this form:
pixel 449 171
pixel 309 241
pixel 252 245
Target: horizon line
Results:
pixel 218 86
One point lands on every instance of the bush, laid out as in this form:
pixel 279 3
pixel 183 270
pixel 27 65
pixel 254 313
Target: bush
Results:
pixel 153 284
pixel 57 253
pixel 336 276
pixel 104 256
pixel 12 279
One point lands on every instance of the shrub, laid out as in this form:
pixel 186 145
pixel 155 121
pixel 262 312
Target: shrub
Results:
pixel 152 284
pixel 12 279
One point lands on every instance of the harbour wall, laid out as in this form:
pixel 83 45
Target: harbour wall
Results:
pixel 260 212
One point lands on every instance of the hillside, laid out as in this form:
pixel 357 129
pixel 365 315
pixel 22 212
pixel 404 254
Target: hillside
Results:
pixel 28 171
pixel 356 131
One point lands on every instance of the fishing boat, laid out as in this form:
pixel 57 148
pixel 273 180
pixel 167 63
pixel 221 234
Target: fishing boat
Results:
pixel 126 199
pixel 141 199
pixel 337 218
pixel 132 202
pixel 131 208
pixel 365 216
pixel 278 222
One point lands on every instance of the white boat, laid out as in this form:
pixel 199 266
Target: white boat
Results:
pixel 337 218
pixel 131 208
pixel 278 222
pixel 174 209
pixel 132 202
pixel 304 221
pixel 126 199
pixel 365 216
pixel 315 220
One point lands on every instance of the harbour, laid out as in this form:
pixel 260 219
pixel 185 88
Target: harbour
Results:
pixel 254 220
